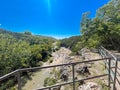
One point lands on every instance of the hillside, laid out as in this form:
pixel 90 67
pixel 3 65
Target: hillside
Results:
pixel 27 36
pixel 22 50
pixel 71 43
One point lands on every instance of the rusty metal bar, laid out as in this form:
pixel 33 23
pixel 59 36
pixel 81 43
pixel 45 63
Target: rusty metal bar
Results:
pixel 118 81
pixel 73 72
pixel 61 84
pixel 17 72
pixel 110 69
pixel 8 75
pixel 49 88
pixel 88 78
pixel 67 64
pixel 37 68
pixel 115 76
pixel 19 81
pixel 109 53
pixel 109 76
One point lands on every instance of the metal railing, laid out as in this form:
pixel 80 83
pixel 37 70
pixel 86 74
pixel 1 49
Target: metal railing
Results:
pixel 113 64
pixel 17 72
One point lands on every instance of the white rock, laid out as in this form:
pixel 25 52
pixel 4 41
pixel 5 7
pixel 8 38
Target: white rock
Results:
pixel 90 86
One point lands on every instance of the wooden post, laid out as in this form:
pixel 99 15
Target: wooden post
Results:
pixel 73 72
pixel 115 75
pixel 109 81
pixel 19 80
pixel 49 88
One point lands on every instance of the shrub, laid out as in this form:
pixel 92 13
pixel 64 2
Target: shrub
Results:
pixel 49 81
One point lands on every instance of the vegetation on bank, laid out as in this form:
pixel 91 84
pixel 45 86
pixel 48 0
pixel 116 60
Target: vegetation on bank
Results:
pixel 71 43
pixel 22 50
pixel 102 30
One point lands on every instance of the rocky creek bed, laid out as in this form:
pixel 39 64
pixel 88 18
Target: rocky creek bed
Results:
pixel 64 73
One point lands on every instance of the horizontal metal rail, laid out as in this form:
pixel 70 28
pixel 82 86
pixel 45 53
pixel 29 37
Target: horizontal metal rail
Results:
pixel 112 56
pixel 67 64
pixel 105 53
pixel 37 68
pixel 9 75
pixel 17 72
pixel 62 84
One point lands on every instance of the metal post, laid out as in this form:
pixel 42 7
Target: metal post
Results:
pixel 115 75
pixel 109 73
pixel 73 72
pixel 19 80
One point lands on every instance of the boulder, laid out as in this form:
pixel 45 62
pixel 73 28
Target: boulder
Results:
pixel 82 70
pixel 64 75
pixel 56 88
pixel 90 86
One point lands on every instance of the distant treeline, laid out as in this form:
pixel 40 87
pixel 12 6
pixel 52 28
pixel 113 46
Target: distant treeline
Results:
pixel 22 50
pixel 71 43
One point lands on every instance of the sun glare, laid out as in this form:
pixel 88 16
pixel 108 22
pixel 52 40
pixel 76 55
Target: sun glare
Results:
pixel 49 6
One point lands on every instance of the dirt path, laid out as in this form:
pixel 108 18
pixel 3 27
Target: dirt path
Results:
pixel 37 79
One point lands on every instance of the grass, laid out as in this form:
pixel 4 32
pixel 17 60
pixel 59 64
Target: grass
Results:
pixel 50 60
pixel 103 85
pixel 49 81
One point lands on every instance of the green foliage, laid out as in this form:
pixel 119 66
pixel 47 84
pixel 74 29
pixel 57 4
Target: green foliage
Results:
pixel 71 43
pixel 58 45
pixel 103 85
pixel 49 81
pixel 19 50
pixel 7 84
pixel 50 60
pixel 28 33
pixel 104 29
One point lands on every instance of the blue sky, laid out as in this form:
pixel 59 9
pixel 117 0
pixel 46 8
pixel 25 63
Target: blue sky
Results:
pixel 57 18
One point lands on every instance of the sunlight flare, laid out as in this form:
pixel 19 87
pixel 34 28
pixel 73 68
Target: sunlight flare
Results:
pixel 49 6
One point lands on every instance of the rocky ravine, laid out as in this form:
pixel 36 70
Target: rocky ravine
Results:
pixel 37 79
pixel 62 56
